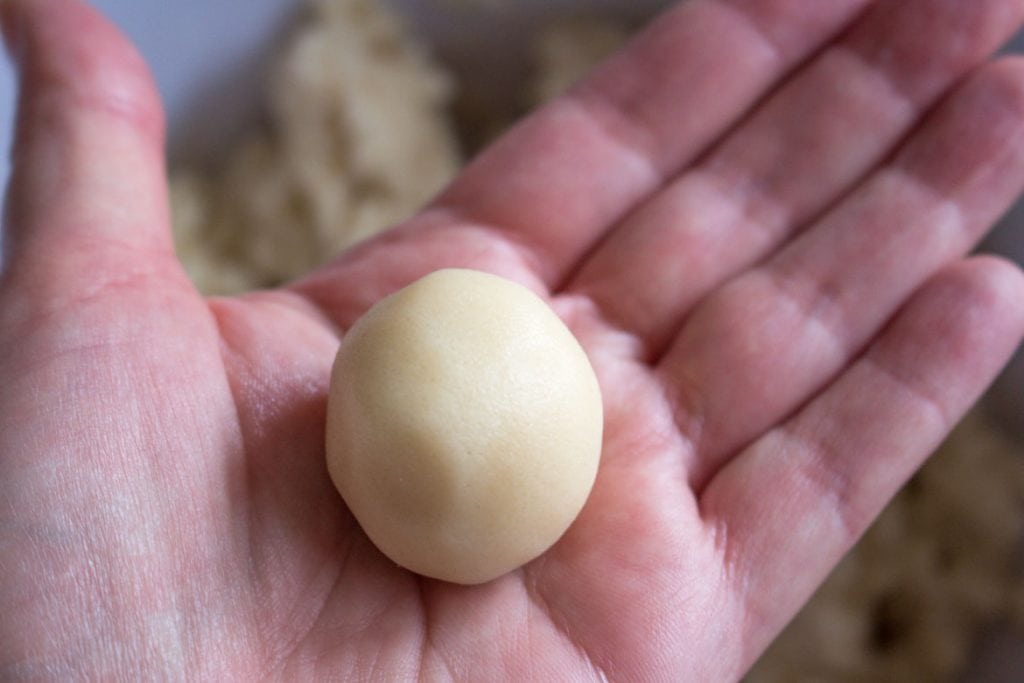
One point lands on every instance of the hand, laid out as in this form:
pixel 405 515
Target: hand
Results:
pixel 755 221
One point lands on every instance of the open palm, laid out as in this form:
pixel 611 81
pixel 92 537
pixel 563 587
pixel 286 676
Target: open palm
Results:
pixel 755 221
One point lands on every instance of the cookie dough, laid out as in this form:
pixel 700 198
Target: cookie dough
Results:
pixel 463 426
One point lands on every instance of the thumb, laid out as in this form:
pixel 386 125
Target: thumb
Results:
pixel 87 202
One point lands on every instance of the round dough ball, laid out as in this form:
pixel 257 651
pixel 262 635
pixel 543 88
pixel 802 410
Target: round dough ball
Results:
pixel 463 426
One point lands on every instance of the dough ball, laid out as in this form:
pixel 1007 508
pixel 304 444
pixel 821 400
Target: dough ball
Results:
pixel 463 426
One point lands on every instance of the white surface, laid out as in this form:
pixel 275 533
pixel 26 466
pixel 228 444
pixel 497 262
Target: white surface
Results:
pixel 208 57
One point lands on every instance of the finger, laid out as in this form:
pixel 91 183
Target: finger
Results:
pixel 815 137
pixel 535 202
pixel 88 189
pixel 757 349
pixel 787 509
pixel 555 184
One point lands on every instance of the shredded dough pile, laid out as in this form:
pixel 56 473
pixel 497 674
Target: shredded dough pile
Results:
pixel 358 140
pixel 360 135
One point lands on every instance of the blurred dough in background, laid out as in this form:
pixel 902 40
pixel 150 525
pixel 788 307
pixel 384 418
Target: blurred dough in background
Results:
pixel 361 134
pixel 358 139
pixel 566 50
pixel 939 565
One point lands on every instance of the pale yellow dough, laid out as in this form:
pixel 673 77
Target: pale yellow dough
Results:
pixel 463 426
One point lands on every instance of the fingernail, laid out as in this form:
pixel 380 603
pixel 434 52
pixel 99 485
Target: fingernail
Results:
pixel 11 25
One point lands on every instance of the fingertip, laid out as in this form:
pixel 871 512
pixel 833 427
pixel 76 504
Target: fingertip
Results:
pixel 10 27
pixel 955 334
pixel 1011 69
pixel 1003 82
pixel 994 286
pixel 68 47
pixel 88 157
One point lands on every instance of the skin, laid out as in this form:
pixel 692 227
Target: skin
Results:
pixel 754 219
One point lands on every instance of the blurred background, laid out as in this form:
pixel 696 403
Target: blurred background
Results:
pixel 253 87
